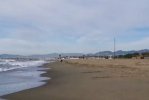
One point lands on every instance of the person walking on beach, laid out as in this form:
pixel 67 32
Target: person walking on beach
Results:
pixel 60 57
pixel 61 60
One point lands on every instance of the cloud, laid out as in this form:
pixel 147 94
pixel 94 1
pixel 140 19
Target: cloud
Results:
pixel 142 43
pixel 72 25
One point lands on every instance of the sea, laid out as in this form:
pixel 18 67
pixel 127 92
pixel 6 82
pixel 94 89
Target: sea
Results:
pixel 18 75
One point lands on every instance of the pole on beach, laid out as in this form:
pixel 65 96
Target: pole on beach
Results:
pixel 114 47
pixel 99 55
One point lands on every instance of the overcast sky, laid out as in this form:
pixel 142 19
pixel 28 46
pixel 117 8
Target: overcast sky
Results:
pixel 47 26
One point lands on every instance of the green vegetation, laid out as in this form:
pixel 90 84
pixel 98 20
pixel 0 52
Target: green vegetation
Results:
pixel 146 54
pixel 134 55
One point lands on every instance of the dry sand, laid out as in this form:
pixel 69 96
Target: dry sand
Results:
pixel 92 80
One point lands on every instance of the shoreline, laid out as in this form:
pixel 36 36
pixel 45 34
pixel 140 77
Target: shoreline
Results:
pixel 82 82
pixel 41 70
pixel 48 73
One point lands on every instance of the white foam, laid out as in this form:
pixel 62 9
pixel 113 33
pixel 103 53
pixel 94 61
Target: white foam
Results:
pixel 7 65
pixel 20 79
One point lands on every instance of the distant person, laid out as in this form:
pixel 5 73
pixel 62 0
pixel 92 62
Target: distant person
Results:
pixel 61 60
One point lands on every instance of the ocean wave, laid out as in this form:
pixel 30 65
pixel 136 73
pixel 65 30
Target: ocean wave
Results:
pixel 7 65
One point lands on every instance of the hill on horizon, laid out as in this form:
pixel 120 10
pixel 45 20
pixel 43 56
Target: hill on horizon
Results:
pixel 55 55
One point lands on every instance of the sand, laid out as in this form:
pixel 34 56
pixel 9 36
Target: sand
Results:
pixel 92 80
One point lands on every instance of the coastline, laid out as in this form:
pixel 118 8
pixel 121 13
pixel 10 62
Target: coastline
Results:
pixel 73 81
pixel 22 79
pixel 47 74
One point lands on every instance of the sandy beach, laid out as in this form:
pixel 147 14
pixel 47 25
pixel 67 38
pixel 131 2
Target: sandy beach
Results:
pixel 92 80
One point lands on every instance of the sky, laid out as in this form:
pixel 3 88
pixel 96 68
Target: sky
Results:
pixel 80 26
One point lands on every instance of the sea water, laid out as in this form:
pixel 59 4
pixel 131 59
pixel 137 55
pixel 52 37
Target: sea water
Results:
pixel 16 76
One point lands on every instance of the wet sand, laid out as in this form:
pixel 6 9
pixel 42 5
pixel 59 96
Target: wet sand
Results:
pixel 92 80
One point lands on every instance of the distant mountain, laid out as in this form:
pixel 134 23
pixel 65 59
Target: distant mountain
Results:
pixel 56 55
pixel 104 53
pixel 143 51
pixel 52 55
pixel 10 56
pixel 120 52
pixel 72 54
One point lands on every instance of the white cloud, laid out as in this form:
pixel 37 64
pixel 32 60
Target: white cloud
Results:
pixel 91 23
pixel 142 43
